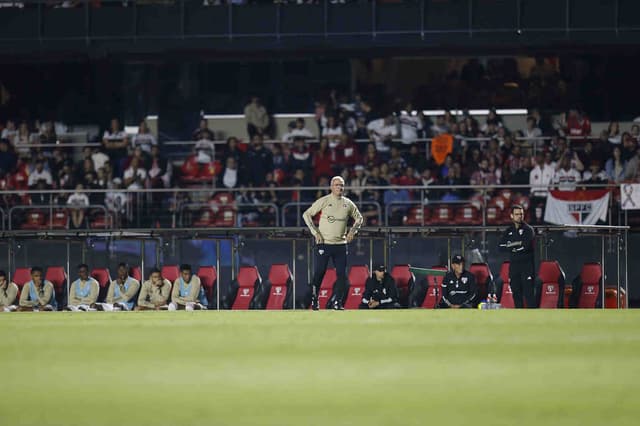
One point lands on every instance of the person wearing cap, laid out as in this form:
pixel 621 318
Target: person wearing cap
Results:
pixel 380 291
pixel 332 236
pixel 84 291
pixel 459 289
pixel 519 241
pixel 8 294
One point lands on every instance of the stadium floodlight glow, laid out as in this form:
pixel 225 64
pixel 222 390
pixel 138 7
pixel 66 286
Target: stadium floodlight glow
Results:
pixel 457 112
pixel 151 117
pixel 433 112
pixel 513 111
pixel 237 116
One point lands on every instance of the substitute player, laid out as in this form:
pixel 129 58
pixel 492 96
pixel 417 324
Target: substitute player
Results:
pixel 332 237
pixel 519 240
pixel 155 292
pixel 8 294
pixel 83 292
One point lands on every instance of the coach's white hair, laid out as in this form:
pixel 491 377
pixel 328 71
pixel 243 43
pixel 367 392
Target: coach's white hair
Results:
pixel 337 178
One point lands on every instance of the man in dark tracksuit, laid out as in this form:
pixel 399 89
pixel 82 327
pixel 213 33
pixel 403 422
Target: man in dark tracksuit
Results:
pixel 380 291
pixel 519 240
pixel 459 289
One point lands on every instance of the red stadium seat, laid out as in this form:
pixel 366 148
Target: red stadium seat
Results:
pixel 206 219
pixel 404 281
pixel 467 215
pixel 21 276
pixel 58 277
pixel 358 276
pixel 326 287
pixel 101 221
pixel 506 297
pixel 103 277
pixel 35 219
pixel 248 279
pixel 495 215
pixel 434 290
pixel 60 219
pixel 170 272
pixel 591 280
pixel 551 282
pixel 208 279
pixel 223 199
pixel 441 215
pixel 281 284
pixel 226 218
pixel 484 278
pixel 136 273
pixel 417 216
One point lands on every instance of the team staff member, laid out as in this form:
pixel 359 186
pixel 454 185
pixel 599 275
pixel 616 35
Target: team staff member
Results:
pixel 84 291
pixel 518 240
pixel 8 294
pixel 155 292
pixel 459 289
pixel 380 291
pixel 332 237
pixel 37 294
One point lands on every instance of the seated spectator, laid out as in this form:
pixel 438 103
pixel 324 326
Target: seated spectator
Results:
pixel 232 149
pixel 415 159
pixel 356 183
pixel 410 125
pixel 299 131
pixel 361 132
pixel 332 131
pixel 122 292
pixel 8 294
pixel 115 142
pixel 566 177
pixel 346 153
pixel 407 178
pixel 454 178
pixel 8 159
pixel 380 291
pixel 371 158
pixel 629 147
pixel 144 139
pixel 155 292
pixel 440 126
pixel 84 169
pixel 259 162
pixel 79 202
pixel 230 178
pixel 22 139
pixel 532 133
pixel 135 176
pixel 159 173
pixel 522 174
pixel 257 118
pixel 99 158
pixel 615 166
pixel 83 292
pixel 381 132
pixel 426 180
pixel 323 160
pixel 301 157
pixel 40 173
pixel 396 162
pixel 459 289
pixel 116 200
pixel 9 130
pixel 205 151
pixel 39 197
pixel 187 293
pixel 595 174
pixel 632 168
pixel 613 133
pixel 38 294
pixel 203 132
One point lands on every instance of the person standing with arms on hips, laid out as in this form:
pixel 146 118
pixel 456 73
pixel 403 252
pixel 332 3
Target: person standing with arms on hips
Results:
pixel 332 237
pixel 519 240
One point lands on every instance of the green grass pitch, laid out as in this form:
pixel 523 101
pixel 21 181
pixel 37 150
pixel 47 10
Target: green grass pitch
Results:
pixel 411 367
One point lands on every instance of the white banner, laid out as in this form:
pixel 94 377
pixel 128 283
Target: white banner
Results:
pixel 630 196
pixel 577 207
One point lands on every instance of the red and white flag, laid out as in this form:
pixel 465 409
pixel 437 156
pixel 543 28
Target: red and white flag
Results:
pixel 577 207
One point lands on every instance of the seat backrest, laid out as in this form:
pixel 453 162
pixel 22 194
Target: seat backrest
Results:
pixel 434 289
pixel 442 214
pixel 247 278
pixel 591 278
pixel 280 278
pixel 466 214
pixel 358 276
pixel 57 276
pixel 101 275
pixel 484 278
pixel 504 271
pixel 326 287
pixel 208 277
pixel 21 276
pixel 279 274
pixel 226 217
pixel 136 273
pixel 550 275
pixel 223 198
pixel 170 272
pixel 402 275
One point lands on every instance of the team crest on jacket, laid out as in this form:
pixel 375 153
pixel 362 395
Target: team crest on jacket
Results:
pixel 321 251
pixel 464 280
pixel 521 231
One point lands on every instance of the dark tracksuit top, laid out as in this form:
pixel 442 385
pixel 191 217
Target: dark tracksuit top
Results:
pixel 519 243
pixel 459 291
pixel 384 291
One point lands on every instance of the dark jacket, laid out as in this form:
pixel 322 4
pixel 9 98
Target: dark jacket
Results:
pixel 384 291
pixel 519 242
pixel 461 291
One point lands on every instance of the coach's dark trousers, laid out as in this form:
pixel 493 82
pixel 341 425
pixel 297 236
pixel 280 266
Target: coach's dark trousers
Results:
pixel 522 277
pixel 338 253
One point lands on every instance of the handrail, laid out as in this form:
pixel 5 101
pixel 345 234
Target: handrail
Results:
pixel 236 205
pixel 308 203
pixel 3 215
pixel 418 203
pixel 52 207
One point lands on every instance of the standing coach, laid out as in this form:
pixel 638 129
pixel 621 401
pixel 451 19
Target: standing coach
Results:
pixel 518 240
pixel 332 237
